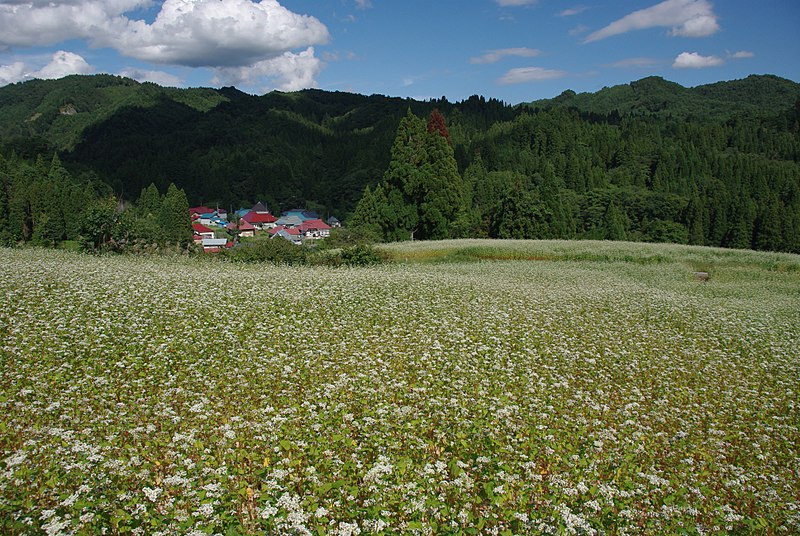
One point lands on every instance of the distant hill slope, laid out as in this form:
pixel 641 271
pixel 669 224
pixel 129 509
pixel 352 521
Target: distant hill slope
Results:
pixel 59 110
pixel 716 164
pixel 759 94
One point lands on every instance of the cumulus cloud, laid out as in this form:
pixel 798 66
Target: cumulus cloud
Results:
pixel 238 38
pixel 40 22
pixel 686 18
pixel 743 54
pixel 693 60
pixel 363 4
pixel 219 33
pixel 60 64
pixel 529 74
pixel 13 72
pixel 493 56
pixel 157 77
pixel 63 63
pixel 287 72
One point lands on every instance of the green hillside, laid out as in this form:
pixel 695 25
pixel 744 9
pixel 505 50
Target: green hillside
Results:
pixel 58 111
pixel 648 161
pixel 756 94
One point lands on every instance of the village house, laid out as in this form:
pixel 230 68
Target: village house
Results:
pixel 212 245
pixel 296 225
pixel 293 234
pixel 245 229
pixel 260 220
pixel 201 231
pixel 314 229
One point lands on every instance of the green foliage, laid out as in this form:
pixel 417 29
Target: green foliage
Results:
pixel 360 255
pixel 676 163
pixel 270 250
pixel 422 194
pixel 174 217
pixel 548 387
pixel 100 225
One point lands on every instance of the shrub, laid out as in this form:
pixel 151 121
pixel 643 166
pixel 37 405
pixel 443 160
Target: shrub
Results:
pixel 276 251
pixel 360 255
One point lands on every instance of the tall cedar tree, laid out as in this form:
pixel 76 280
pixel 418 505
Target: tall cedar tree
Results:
pixel 422 189
pixel 174 218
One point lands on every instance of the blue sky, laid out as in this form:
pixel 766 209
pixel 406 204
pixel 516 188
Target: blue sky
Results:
pixel 512 50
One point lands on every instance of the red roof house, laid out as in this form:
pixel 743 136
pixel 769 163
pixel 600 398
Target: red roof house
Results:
pixel 245 229
pixel 202 231
pixel 260 220
pixel 314 229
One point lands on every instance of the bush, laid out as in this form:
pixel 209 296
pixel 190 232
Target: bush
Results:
pixel 276 251
pixel 360 255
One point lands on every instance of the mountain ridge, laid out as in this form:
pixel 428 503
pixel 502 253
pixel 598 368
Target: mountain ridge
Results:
pixel 649 160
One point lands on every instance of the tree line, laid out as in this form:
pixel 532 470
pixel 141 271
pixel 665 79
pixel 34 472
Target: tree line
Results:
pixel 715 165
pixel 556 173
pixel 43 204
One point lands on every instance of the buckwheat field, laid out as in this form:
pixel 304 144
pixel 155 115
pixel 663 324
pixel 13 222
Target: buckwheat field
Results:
pixel 554 389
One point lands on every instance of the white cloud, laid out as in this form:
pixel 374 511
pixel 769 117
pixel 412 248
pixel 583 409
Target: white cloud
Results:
pixel 693 60
pixel 287 72
pixel 13 72
pixel 60 64
pixel 63 63
pixel 241 39
pixel 743 54
pixel 212 33
pixel 157 77
pixel 41 22
pixel 493 56
pixel 507 3
pixel 572 11
pixel 219 33
pixel 529 74
pixel 636 63
pixel 686 18
pixel 363 4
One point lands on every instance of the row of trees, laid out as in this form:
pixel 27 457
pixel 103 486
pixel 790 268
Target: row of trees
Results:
pixel 43 204
pixel 717 165
pixel 553 174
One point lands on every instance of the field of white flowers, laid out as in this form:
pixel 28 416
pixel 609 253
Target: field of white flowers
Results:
pixel 597 396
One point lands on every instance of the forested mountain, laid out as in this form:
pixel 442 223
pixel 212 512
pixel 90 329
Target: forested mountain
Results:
pixel 651 160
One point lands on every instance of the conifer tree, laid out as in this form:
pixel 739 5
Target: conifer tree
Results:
pixel 437 125
pixel 174 217
pixel 423 189
pixel 614 223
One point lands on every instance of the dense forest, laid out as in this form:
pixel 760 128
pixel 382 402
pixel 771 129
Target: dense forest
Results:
pixel 650 160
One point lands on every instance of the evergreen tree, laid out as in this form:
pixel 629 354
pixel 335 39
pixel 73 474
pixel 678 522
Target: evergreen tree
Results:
pixel 614 223
pixel 368 215
pixel 76 198
pixel 422 186
pixel 694 221
pixel 443 200
pixel 148 226
pixel 437 125
pixel 519 216
pixel 767 227
pixel 149 202
pixel 20 210
pixel 174 217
